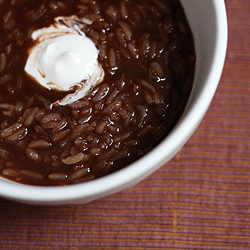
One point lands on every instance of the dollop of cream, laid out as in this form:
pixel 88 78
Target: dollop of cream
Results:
pixel 64 59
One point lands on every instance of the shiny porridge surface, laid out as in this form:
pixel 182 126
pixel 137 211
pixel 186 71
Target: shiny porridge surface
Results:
pixel 146 50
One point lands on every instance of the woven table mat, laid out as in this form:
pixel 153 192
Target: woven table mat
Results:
pixel 199 200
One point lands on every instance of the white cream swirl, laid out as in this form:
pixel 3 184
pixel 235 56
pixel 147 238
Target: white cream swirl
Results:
pixel 64 59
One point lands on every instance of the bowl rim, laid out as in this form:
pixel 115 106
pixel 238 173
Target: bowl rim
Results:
pixel 142 167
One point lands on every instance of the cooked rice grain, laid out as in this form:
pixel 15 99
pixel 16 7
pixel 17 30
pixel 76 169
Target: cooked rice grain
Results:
pixel 80 157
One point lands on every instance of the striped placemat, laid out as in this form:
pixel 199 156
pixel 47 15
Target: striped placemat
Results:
pixel 199 200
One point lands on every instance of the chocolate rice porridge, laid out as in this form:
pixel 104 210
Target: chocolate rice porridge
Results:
pixel 147 53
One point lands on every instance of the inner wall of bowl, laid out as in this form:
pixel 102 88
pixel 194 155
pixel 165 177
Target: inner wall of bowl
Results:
pixel 202 17
pixel 204 31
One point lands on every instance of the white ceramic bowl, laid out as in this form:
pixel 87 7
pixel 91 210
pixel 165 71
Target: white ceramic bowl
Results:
pixel 208 22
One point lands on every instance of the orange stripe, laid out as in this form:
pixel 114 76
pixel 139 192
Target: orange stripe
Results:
pixel 189 157
pixel 240 75
pixel 10 246
pixel 128 211
pixel 231 81
pixel 224 111
pixel 184 156
pixel 86 232
pixel 229 100
pixel 131 248
pixel 39 247
pixel 136 240
pixel 221 158
pixel 127 225
pixel 205 128
pixel 210 145
pixel 196 197
pixel 155 203
pixel 224 141
pixel 241 52
pixel 242 64
pixel 222 176
pixel 118 218
pixel 160 203
pixel 226 86
pixel 188 189
pixel 197 182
